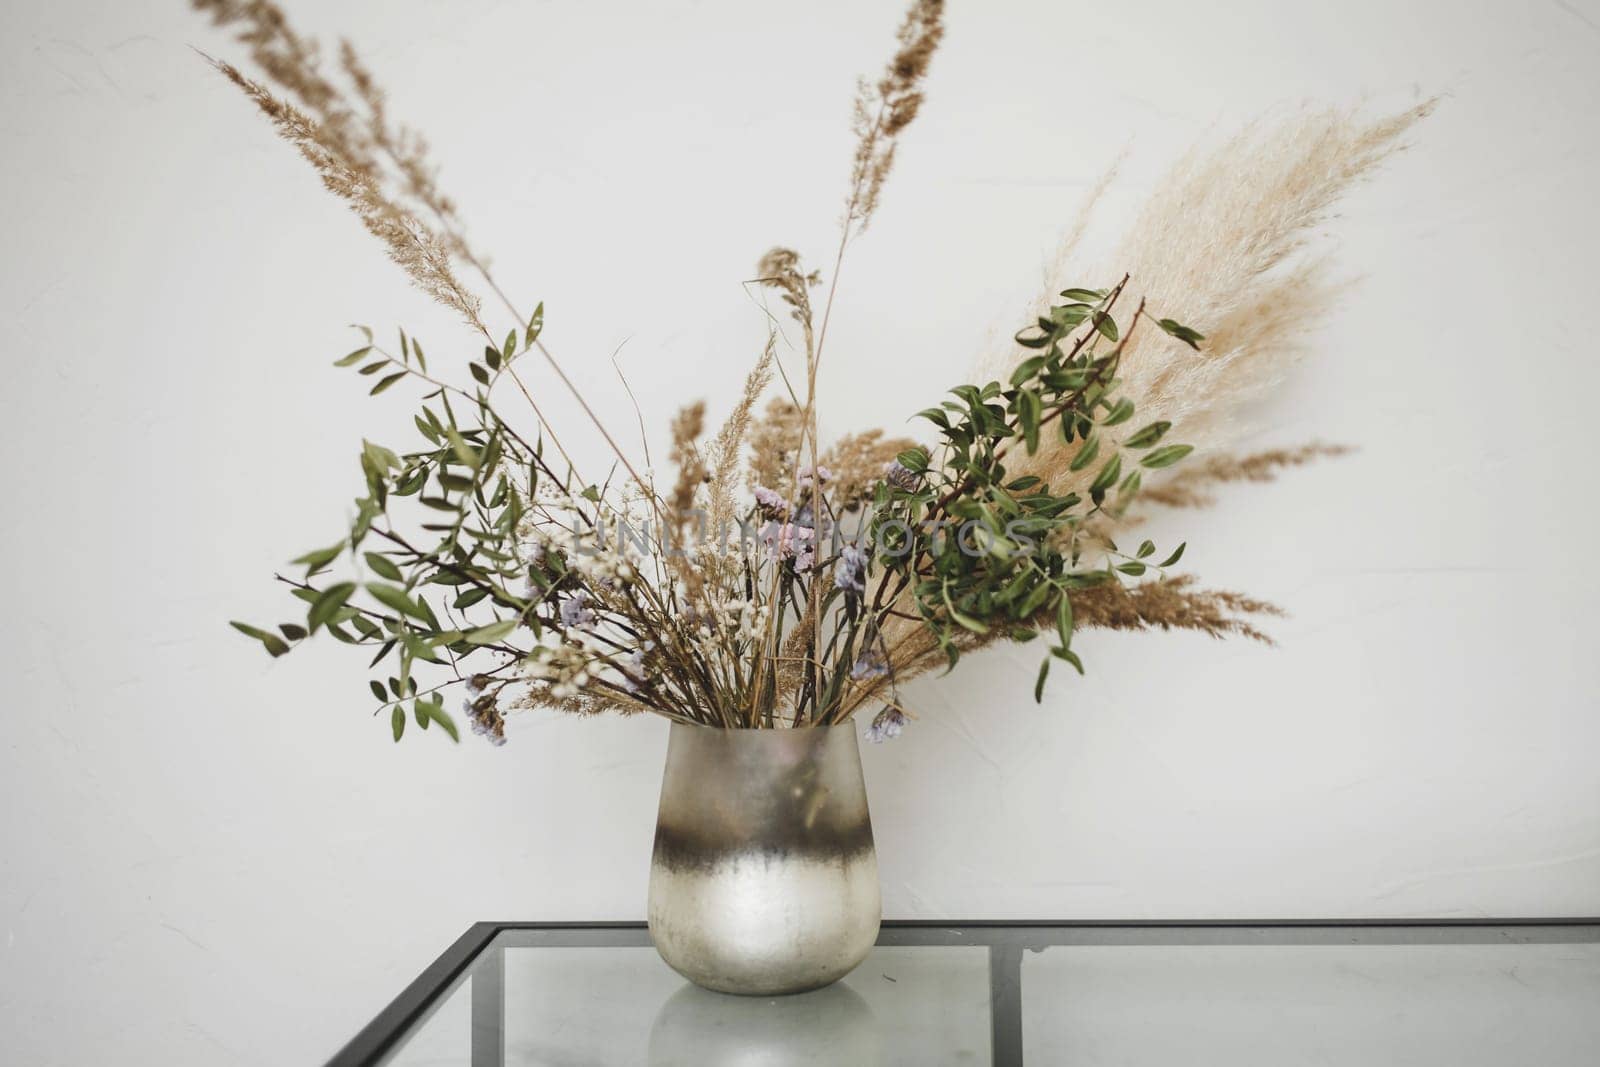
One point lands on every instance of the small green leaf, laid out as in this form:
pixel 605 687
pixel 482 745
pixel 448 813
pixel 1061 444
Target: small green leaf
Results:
pixel 1166 456
pixel 436 712
pixel 1134 568
pixel 1026 370
pixel 1085 296
pixel 535 326
pixel 464 452
pixel 509 348
pixel 966 621
pixel 318 558
pixel 1177 554
pixel 1149 435
pixel 1064 620
pixel 1038 685
pixel 383 566
pixel 1146 548
pixel 1108 475
pixel 381 458
pixel 378 690
pixel 397 721
pixel 292 631
pixel 1029 410
pixel 1121 412
pixel 1068 655
pixel 914 460
pixel 385 383
pixel 488 635
pixel 396 598
pixel 353 358
pixel 275 645
pixel 1028 340
pixel 1183 333
pixel 1086 454
pixel 328 603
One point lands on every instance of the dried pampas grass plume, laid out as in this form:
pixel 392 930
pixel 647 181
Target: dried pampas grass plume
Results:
pixel 857 462
pixel 1221 246
pixel 1190 485
pixel 380 170
pixel 886 107
pixel 687 426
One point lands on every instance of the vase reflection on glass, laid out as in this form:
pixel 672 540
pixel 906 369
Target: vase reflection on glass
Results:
pixel 764 879
pixel 834 1025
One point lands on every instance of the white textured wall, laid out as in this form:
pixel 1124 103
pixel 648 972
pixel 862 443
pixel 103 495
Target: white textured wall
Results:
pixel 210 858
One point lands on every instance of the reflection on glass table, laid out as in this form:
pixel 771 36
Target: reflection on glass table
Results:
pixel 1493 992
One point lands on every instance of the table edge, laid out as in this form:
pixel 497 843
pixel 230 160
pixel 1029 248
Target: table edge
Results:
pixel 379 1036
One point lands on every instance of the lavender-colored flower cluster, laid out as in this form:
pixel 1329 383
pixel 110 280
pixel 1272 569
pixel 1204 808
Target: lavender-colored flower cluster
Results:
pixel 870 664
pixel 850 572
pixel 810 477
pixel 900 476
pixel 575 611
pixel 770 503
pixel 633 670
pixel 886 726
pixel 481 713
pixel 790 541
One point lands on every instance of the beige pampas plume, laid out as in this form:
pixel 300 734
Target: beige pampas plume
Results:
pixel 724 452
pixel 1225 245
pixel 1190 485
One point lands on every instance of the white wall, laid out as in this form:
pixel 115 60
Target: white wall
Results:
pixel 210 858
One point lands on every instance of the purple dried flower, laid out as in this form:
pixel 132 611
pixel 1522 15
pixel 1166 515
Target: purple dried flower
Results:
pixel 870 664
pixel 900 476
pixel 483 714
pixel 770 503
pixel 790 541
pixel 633 672
pixel 850 572
pixel 808 476
pixel 575 613
pixel 886 726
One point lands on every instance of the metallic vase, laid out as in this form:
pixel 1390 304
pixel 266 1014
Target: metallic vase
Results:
pixel 764 878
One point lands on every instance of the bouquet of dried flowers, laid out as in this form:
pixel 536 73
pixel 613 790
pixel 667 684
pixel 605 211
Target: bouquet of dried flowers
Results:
pixel 777 582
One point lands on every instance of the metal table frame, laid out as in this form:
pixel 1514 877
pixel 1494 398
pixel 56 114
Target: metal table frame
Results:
pixel 1005 940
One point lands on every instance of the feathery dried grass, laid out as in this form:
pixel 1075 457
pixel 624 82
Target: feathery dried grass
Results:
pixel 687 426
pixel 1173 604
pixel 775 440
pixel 381 171
pixel 1220 247
pixel 722 455
pixel 586 702
pixel 886 107
pixel 857 461
pixel 1187 486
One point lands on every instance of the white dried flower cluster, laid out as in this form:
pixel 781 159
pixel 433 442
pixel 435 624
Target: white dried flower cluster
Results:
pixel 568 668
pixel 746 618
pixel 600 558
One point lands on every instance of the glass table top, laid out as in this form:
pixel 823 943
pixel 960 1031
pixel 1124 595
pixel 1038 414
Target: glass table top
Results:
pixel 510 995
